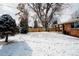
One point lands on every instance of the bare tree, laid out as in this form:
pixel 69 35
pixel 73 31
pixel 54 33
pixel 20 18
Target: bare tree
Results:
pixel 23 15
pixel 46 11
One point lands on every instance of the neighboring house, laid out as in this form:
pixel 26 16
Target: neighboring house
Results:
pixel 71 28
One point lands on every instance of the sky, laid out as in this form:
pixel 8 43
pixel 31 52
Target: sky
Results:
pixel 66 13
pixel 10 8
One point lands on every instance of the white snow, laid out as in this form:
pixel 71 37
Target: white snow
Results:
pixel 40 44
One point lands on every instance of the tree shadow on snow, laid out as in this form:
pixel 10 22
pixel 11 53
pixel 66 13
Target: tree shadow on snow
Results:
pixel 15 48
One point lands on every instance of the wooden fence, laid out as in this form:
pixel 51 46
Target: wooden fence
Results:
pixel 66 28
pixel 36 30
pixel 55 28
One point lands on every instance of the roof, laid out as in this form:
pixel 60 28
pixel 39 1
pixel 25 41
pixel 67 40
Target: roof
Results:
pixel 76 20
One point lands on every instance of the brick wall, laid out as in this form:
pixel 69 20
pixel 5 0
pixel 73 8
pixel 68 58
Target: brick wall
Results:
pixel 75 32
pixel 71 31
pixel 67 28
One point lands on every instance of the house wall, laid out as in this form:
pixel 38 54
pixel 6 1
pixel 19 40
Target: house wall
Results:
pixel 67 28
pixel 71 31
pixel 75 32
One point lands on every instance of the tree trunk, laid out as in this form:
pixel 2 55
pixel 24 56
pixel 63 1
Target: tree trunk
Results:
pixel 6 40
pixel 35 24
pixel 46 27
pixel 27 25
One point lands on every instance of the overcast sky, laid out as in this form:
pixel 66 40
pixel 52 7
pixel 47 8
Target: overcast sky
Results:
pixel 10 8
pixel 66 16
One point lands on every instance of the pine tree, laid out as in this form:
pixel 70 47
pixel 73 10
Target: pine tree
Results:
pixel 7 26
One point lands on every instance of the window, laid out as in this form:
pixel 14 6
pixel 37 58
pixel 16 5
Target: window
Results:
pixel 75 25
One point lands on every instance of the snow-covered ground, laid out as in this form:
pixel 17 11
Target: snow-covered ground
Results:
pixel 40 44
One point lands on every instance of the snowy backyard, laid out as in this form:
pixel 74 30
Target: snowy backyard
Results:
pixel 36 28
pixel 40 44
